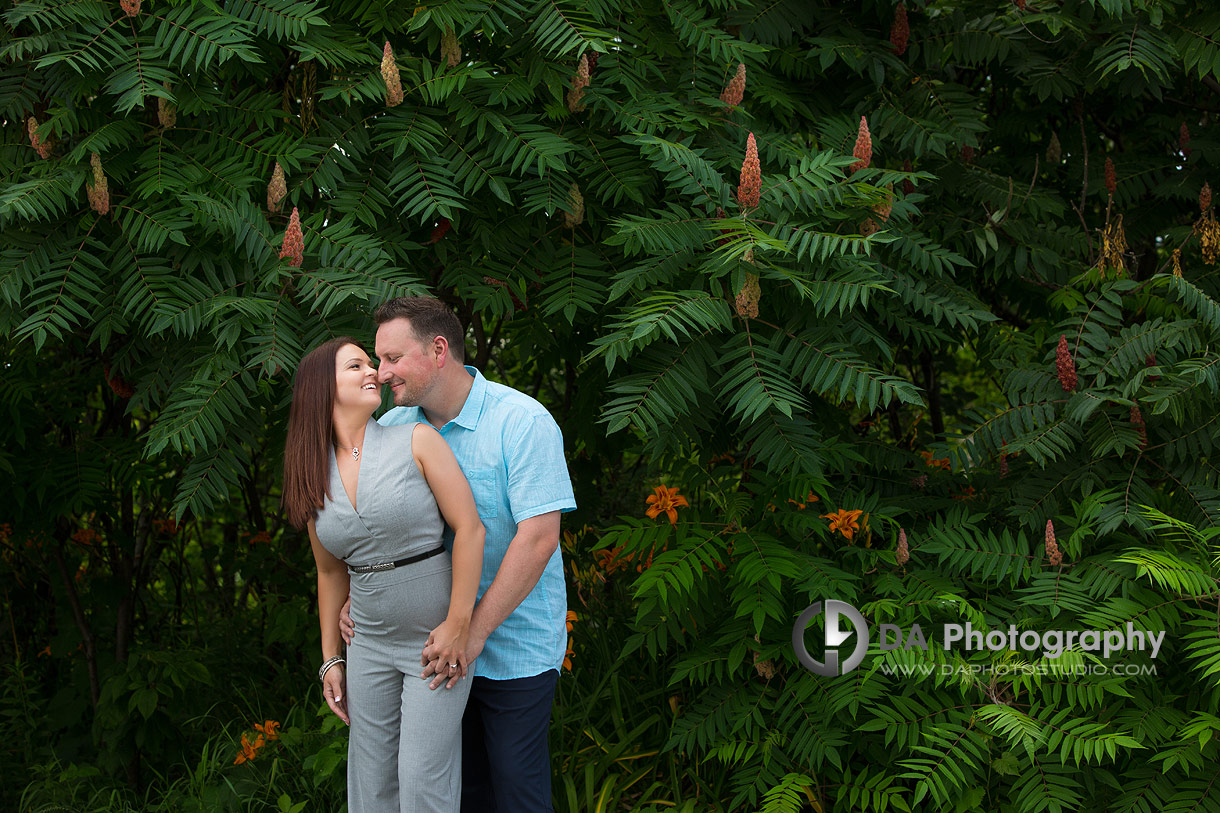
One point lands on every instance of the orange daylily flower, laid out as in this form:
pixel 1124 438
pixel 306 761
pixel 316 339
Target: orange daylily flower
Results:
pixel 567 656
pixel 86 537
pixel 667 500
pixel 844 522
pixel 935 462
pixel 571 617
pixel 810 497
pixel 271 728
pixel 249 748
pixel 165 526
pixel 609 560
pixel 568 542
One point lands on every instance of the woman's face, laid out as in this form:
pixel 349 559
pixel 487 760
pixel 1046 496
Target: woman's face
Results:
pixel 355 380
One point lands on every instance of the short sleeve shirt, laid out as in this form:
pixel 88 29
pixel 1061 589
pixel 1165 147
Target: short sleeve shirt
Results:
pixel 511 451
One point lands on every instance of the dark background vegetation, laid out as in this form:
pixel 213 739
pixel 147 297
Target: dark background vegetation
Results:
pixel 876 339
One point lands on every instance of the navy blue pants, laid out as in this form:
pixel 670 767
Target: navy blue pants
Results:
pixel 506 763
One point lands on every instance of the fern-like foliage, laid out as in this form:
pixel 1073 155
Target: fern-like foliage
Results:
pixel 869 348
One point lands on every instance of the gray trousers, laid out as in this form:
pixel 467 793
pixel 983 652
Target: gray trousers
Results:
pixel 405 748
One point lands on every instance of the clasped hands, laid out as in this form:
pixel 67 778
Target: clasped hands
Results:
pixel 449 643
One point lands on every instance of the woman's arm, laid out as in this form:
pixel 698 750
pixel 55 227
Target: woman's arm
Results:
pixel 332 592
pixel 440 468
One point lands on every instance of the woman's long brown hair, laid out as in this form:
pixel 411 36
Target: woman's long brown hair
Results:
pixel 311 433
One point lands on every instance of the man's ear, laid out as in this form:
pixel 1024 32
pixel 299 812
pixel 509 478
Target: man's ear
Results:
pixel 440 350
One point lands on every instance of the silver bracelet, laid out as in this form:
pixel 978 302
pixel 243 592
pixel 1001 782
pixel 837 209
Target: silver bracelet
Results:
pixel 328 664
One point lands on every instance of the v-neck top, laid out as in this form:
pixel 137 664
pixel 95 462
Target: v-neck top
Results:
pixel 395 513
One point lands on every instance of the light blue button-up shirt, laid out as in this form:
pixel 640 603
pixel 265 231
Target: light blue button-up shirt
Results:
pixel 511 450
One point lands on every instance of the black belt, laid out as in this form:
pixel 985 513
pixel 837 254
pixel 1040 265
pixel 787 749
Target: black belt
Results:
pixel 410 560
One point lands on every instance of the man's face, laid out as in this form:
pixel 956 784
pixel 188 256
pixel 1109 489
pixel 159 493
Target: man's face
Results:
pixel 407 364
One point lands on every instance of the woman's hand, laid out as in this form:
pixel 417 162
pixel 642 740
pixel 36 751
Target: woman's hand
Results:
pixel 334 689
pixel 441 673
pixel 447 646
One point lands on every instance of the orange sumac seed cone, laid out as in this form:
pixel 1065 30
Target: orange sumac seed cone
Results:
pixel 1209 235
pixel 746 302
pixel 863 151
pixel 749 189
pixel 1150 360
pixel 1065 366
pixel 884 208
pixel 277 188
pixel 393 80
pixel 439 230
pixel 167 111
pixel 451 52
pixel 735 90
pixel 1137 418
pixel 98 191
pixel 1053 554
pixel 900 31
pixel 1113 246
pixel 1054 150
pixel 294 241
pixel 43 148
pixel 579 82
pixel 577 216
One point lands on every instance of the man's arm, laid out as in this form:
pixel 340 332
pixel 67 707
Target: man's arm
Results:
pixel 524 561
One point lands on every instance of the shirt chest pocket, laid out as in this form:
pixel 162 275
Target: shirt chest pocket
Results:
pixel 486 492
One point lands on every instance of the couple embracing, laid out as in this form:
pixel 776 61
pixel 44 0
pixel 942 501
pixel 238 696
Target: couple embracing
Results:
pixel 448 700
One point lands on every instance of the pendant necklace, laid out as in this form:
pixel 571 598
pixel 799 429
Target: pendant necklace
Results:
pixel 355 451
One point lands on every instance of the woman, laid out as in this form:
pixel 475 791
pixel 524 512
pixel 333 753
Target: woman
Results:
pixel 372 498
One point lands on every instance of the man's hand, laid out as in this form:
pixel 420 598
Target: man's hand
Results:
pixel 346 628
pixel 439 671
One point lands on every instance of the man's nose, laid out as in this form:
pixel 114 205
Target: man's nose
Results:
pixel 383 374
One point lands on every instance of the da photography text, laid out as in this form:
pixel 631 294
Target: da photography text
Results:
pixel 842 621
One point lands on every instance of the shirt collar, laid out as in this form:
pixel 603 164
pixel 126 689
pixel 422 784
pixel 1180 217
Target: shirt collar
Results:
pixel 472 409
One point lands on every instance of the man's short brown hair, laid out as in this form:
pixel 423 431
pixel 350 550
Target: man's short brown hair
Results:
pixel 429 317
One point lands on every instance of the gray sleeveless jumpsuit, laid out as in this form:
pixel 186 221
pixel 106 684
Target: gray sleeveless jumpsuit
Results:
pixel 404 751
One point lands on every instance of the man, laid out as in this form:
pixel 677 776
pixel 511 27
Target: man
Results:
pixel 511 451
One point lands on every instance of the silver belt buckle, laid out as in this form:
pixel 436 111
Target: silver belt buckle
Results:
pixel 381 566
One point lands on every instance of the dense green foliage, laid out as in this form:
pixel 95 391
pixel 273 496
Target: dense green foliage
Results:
pixel 875 336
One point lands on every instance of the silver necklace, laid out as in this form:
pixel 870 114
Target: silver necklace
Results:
pixel 355 451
